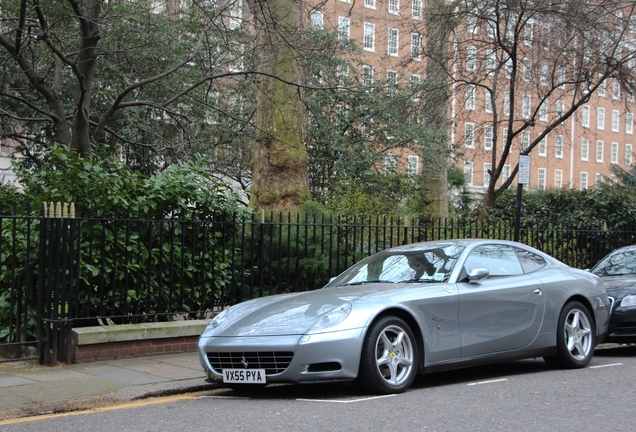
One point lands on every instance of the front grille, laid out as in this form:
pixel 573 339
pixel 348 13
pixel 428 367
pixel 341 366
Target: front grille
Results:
pixel 273 362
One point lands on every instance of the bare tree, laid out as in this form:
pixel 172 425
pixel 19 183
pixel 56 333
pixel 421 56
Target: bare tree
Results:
pixel 533 64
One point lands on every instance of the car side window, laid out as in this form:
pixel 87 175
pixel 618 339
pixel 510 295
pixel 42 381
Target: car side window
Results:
pixel 500 260
pixel 529 261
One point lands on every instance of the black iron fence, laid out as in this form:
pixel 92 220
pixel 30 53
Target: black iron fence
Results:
pixel 58 272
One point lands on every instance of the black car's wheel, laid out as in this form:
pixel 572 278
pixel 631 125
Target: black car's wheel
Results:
pixel 389 357
pixel 575 337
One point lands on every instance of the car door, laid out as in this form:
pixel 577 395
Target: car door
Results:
pixel 503 311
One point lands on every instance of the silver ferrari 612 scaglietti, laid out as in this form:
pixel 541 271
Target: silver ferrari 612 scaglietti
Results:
pixel 412 309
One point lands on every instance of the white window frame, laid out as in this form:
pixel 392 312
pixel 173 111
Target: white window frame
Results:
pixel 506 104
pixel 368 43
pixel 367 75
pixel 416 10
pixel 487 167
pixel 558 147
pixel 505 173
pixel 543 146
pixel 491 62
pixel 468 173
pixel 541 178
pixel 469 135
pixel 413 165
pixel 390 163
pixel 488 137
pixel 416 46
pixel 628 154
pixel 527 70
pixel 488 106
pixel 525 140
pixel 629 123
pixel 600 118
pixel 616 89
pixel 317 19
pixel 602 87
pixel 543 79
pixel 344 28
pixel 393 42
pixel 558 179
pixel 471 58
pixel 470 97
pixel 526 102
pixel 585 149
pixel 528 33
pixel 615 121
pixel 599 150
pixel 543 111
pixel 394 7
pixel 614 153
pixel 585 116
pixel 560 109
pixel 369 4
pixel 583 182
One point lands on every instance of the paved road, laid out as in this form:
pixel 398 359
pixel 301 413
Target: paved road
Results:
pixel 520 396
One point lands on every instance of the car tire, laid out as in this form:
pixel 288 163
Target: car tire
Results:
pixel 575 337
pixel 389 359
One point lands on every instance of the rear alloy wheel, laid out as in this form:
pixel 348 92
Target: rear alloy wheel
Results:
pixel 575 337
pixel 389 357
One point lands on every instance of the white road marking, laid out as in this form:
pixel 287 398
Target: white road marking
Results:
pixel 344 401
pixel 606 365
pixel 488 382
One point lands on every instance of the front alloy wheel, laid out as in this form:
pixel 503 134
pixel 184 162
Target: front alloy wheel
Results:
pixel 389 357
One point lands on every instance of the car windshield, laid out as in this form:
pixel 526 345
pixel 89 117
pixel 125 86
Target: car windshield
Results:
pixel 617 263
pixel 422 265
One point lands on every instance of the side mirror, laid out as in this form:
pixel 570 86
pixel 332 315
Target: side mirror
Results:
pixel 477 274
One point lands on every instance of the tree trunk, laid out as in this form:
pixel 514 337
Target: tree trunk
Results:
pixel 280 161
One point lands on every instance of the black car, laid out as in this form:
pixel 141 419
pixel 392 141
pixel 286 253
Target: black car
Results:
pixel 618 271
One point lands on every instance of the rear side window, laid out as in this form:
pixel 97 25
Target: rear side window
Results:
pixel 529 261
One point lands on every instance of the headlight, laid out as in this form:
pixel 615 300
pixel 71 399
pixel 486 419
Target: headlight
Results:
pixel 331 319
pixel 215 322
pixel 629 300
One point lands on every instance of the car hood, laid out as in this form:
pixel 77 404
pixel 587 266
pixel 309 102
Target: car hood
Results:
pixel 292 314
pixel 619 286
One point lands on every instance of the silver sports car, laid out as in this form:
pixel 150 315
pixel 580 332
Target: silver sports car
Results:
pixel 412 309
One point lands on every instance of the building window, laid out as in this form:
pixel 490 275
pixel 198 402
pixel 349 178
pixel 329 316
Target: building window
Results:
pixel 615 121
pixel 525 140
pixel 544 74
pixel 506 104
pixel 585 149
pixel 469 135
pixel 560 109
pixel 471 26
pixel 343 28
pixel 508 68
pixel 471 58
pixel 416 46
pixel 505 173
pixel 389 163
pixel 527 70
pixel 317 19
pixel 487 171
pixel 629 123
pixel 393 41
pixel 528 33
pixel 600 118
pixel 369 37
pixel 488 137
pixel 585 116
pixel 561 77
pixel 599 178
pixel 628 154
pixel 488 102
pixel 369 4
pixel 616 89
pixel 413 165
pixel 415 85
pixel 583 180
pixel 391 81
pixel 525 106
pixel 468 173
pixel 470 97
pixel 504 136
pixel 543 111
pixel 490 62
pixel 541 179
pixel 416 9
pixel 599 151
pixel 394 6
pixel 367 75
pixel 558 147
pixel 558 179
pixel 601 87
pixel 614 153
pixel 543 146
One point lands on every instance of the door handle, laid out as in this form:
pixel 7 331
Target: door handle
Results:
pixel 537 291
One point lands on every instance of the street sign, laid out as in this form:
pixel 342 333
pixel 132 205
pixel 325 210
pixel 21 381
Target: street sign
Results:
pixel 524 169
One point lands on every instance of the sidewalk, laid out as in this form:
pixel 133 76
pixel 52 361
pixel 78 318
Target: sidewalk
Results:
pixel 31 389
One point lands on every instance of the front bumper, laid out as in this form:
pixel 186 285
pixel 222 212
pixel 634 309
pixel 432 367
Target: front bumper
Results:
pixel 622 328
pixel 328 356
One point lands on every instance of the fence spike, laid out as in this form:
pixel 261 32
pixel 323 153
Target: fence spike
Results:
pixel 72 211
pixel 51 209
pixel 58 209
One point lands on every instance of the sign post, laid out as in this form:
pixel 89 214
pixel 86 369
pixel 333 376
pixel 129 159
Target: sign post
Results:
pixel 523 179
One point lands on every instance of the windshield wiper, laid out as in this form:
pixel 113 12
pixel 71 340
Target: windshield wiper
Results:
pixel 367 282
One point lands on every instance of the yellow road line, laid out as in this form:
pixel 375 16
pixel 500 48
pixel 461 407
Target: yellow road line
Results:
pixel 129 405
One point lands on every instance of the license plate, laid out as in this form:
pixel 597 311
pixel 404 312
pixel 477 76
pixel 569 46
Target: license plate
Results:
pixel 244 376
